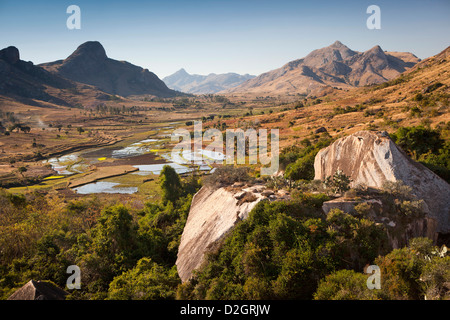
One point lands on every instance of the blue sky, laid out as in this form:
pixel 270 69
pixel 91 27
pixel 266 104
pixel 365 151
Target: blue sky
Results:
pixel 204 36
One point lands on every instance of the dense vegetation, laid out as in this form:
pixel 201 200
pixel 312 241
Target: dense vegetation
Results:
pixel 290 250
pixel 115 246
pixel 299 161
pixel 285 250
pixel 427 146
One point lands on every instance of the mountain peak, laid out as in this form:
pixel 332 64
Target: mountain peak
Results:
pixel 10 55
pixel 182 71
pixel 321 57
pixel 91 49
pixel 376 49
pixel 338 44
pixel 89 64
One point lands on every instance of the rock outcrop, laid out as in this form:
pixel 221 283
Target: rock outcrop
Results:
pixel 213 213
pixel 38 290
pixel 21 79
pixel 371 159
pixel 10 55
pixel 399 230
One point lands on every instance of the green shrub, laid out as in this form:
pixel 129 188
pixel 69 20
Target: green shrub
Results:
pixel 344 285
pixel 417 141
pixel 338 183
pixel 435 278
pixel 146 281
pixel 302 169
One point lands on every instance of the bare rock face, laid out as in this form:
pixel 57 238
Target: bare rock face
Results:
pixel 372 158
pixel 344 205
pixel 213 213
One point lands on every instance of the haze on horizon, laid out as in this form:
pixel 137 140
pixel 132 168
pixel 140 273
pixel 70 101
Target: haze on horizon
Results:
pixel 217 36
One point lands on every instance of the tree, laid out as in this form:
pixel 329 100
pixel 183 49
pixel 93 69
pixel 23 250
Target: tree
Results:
pixel 22 170
pixel 339 182
pixel 12 127
pixel 435 278
pixel 146 281
pixel 109 249
pixel 80 130
pixel 400 271
pixel 303 168
pixel 418 140
pixel 170 184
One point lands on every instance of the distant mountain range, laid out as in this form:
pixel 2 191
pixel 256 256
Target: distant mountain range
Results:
pixel 89 68
pixel 89 64
pixel 332 66
pixel 201 84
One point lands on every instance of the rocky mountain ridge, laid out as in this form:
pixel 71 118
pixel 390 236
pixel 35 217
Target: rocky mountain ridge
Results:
pixel 333 66
pixel 23 80
pixel 89 64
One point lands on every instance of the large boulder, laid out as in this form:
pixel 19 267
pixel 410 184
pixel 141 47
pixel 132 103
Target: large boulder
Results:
pixel 371 159
pixel 212 215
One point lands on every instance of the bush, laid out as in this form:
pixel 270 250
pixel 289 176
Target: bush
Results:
pixel 299 162
pixel 438 162
pixel 146 281
pixel 344 285
pixel 400 270
pixel 435 279
pixel 397 189
pixel 18 200
pixel 302 169
pixel 282 251
pixel 417 141
pixel 338 183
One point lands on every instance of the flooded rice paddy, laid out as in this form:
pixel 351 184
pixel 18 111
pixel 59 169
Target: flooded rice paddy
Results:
pixel 148 155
